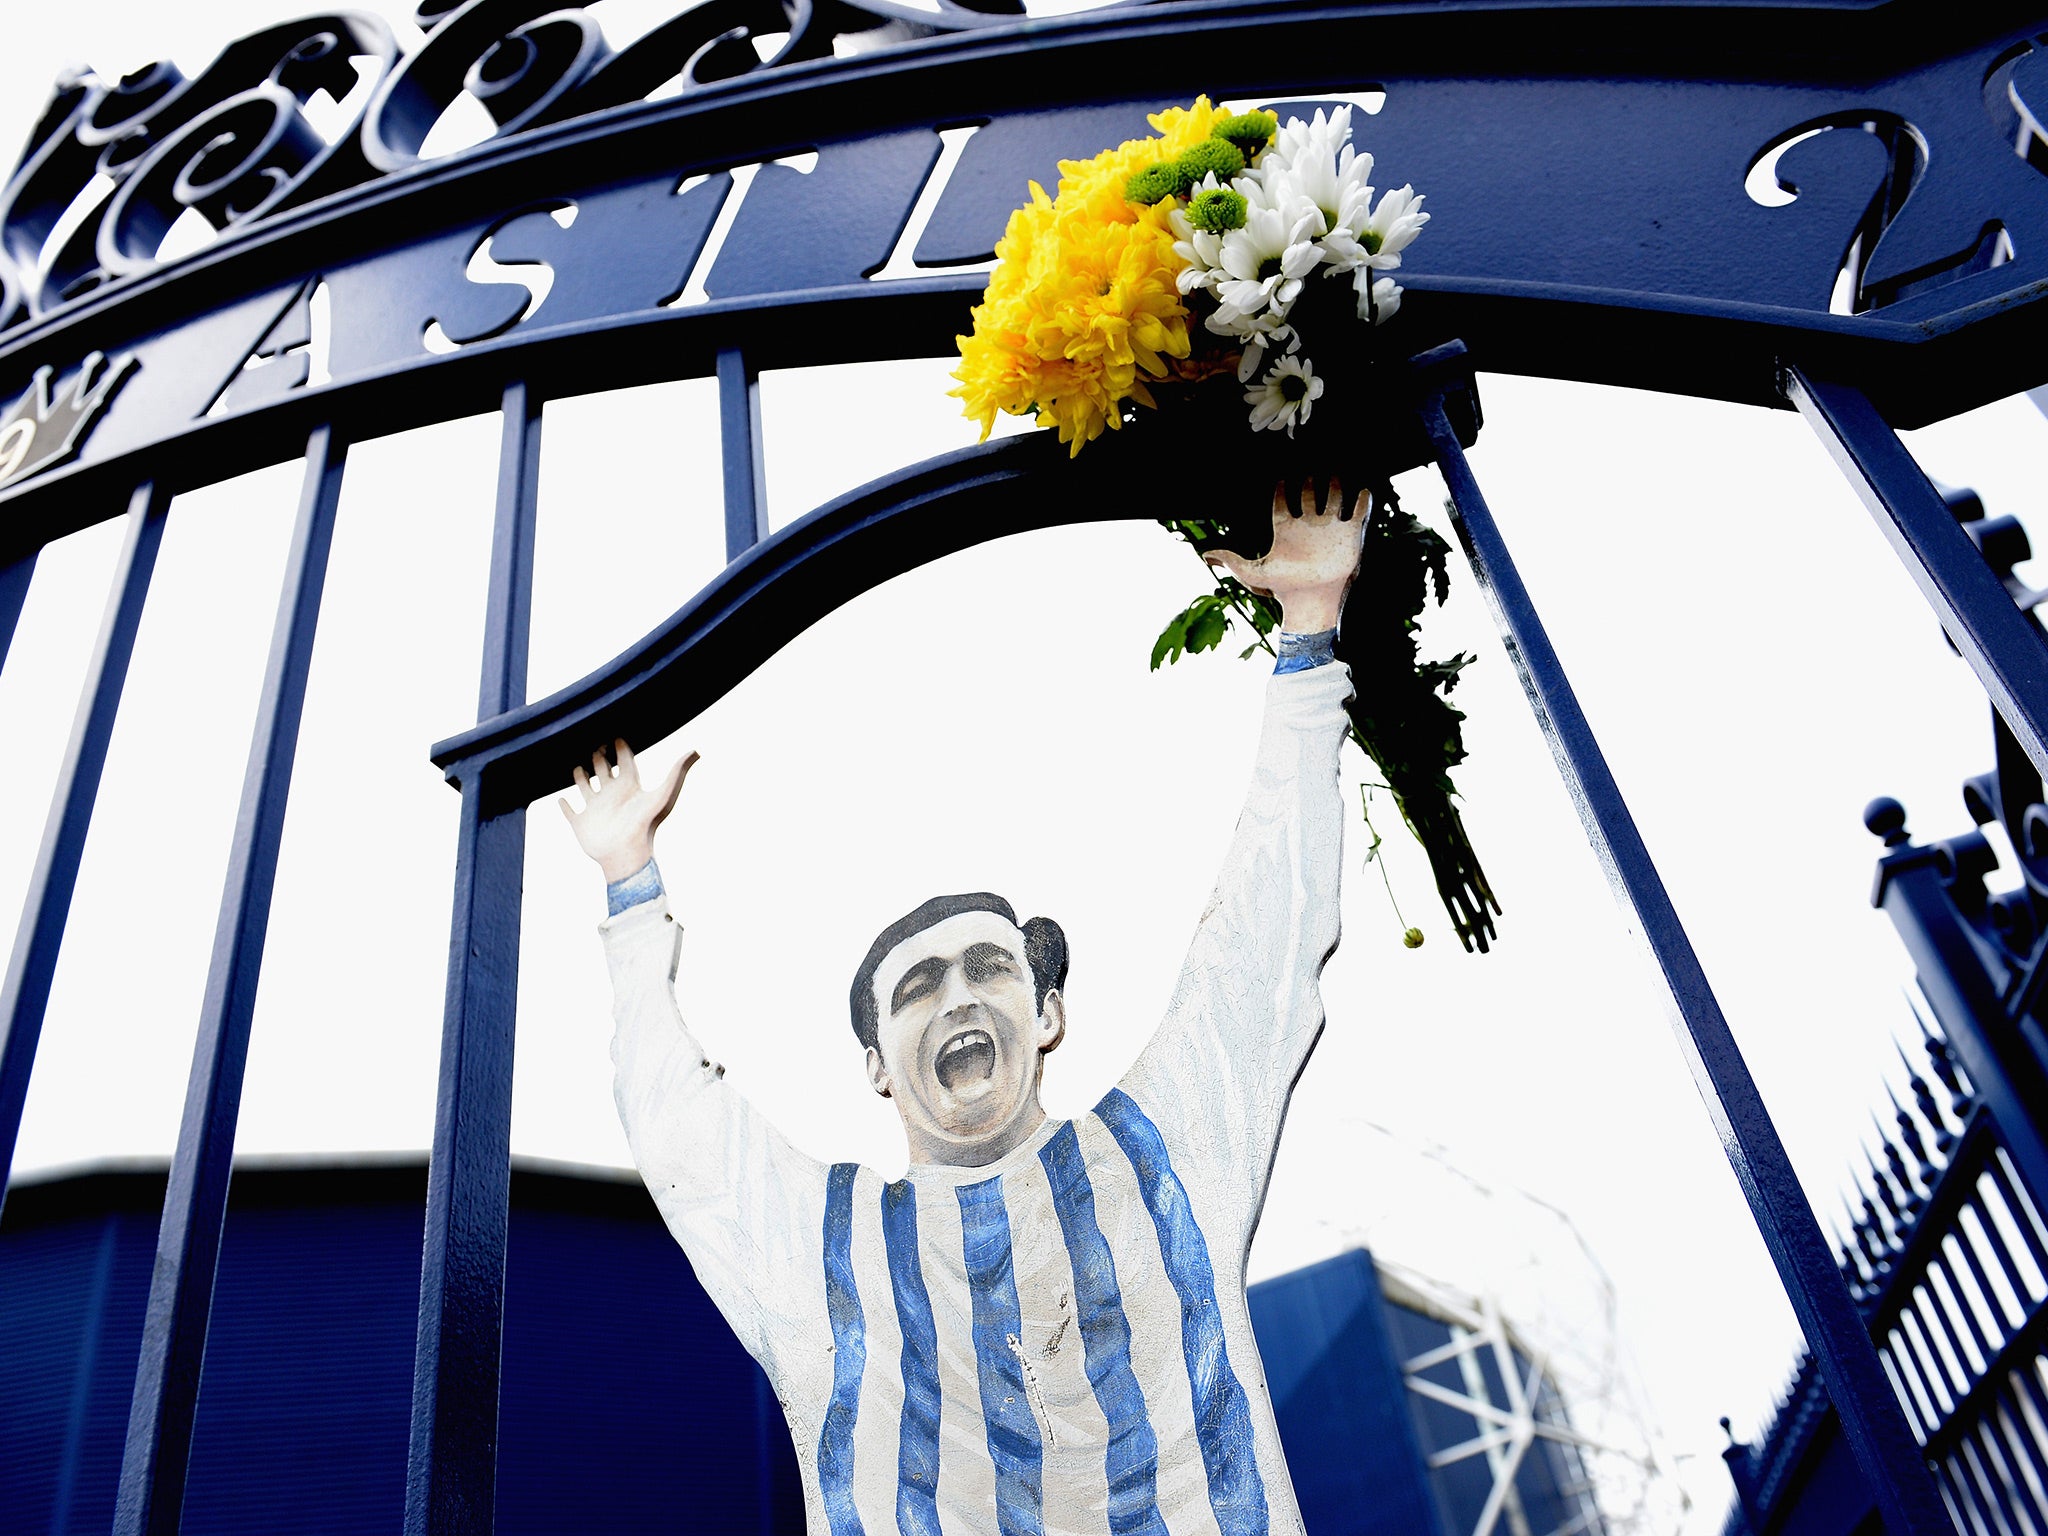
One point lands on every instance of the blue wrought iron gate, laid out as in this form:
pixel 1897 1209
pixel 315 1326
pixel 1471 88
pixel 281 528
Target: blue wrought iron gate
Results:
pixel 1895 275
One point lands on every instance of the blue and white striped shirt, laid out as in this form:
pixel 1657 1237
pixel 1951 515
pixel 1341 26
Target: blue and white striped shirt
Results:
pixel 1058 1342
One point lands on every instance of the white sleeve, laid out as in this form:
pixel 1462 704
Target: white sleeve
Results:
pixel 1247 1009
pixel 746 1206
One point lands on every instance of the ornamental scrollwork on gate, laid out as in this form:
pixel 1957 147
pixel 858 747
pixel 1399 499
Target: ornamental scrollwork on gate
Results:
pixel 319 210
pixel 111 168
pixel 308 108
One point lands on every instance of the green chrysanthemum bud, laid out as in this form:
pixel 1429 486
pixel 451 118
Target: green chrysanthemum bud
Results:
pixel 1247 132
pixel 1210 157
pixel 1155 184
pixel 1412 938
pixel 1217 211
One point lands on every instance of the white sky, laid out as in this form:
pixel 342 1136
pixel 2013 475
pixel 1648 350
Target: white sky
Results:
pixel 1755 661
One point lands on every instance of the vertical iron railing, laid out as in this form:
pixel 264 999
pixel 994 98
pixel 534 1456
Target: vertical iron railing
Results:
pixel 14 584
pixel 739 443
pixel 2009 655
pixel 1876 1429
pixel 1956 1296
pixel 153 1464
pixel 46 906
pixel 452 1467
pixel 1946 1254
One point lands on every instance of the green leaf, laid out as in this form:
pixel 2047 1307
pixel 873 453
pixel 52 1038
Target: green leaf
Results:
pixel 1208 623
pixel 1171 642
pixel 1436 556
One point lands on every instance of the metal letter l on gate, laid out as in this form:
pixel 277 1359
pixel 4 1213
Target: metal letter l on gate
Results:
pixel 1871 1419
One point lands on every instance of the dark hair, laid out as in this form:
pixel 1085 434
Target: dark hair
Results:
pixel 1045 951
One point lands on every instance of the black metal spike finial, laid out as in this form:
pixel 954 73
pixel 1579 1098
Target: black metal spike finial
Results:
pixel 1852 1254
pixel 1887 1197
pixel 1909 1128
pixel 1853 1245
pixel 1878 1235
pixel 1850 1263
pixel 1930 1112
pixel 1868 1229
pixel 1943 1060
pixel 1911 1200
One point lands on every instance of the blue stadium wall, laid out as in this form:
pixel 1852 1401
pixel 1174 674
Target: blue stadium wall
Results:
pixel 626 1406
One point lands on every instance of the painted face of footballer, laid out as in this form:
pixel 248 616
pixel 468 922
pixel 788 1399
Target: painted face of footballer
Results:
pixel 961 1039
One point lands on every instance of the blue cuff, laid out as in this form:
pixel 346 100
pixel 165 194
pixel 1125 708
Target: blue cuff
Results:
pixel 642 886
pixel 1298 653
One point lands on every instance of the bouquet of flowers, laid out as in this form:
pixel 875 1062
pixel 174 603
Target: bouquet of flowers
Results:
pixel 1234 246
pixel 1228 218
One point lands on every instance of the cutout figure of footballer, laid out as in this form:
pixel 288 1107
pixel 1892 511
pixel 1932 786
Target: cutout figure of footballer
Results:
pixel 1043 1327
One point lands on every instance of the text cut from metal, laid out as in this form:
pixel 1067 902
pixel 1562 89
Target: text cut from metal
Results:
pixel 279 228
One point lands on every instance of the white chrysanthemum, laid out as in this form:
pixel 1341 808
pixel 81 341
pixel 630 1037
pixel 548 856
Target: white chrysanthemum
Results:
pixel 1317 140
pixel 1283 397
pixel 1264 262
pixel 1378 299
pixel 1269 333
pixel 1393 227
pixel 1339 189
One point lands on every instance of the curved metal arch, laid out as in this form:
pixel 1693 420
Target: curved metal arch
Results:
pixel 804 571
pixel 771 594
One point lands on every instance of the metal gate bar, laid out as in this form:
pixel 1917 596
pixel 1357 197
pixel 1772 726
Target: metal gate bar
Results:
pixel 739 442
pixel 1871 1418
pixel 1980 1031
pixel 451 1473
pixel 2000 642
pixel 14 583
pixel 151 1499
pixel 47 903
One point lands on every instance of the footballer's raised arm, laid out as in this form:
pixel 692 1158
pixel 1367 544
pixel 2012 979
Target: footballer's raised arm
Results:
pixel 745 1204
pixel 1246 1011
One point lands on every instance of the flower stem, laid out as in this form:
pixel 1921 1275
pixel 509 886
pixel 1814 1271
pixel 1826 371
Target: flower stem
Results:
pixel 1372 853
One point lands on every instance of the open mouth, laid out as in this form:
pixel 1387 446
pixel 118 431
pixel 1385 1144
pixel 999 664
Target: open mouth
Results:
pixel 968 1058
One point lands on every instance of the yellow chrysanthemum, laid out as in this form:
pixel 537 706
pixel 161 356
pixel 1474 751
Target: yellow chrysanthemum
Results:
pixel 1083 305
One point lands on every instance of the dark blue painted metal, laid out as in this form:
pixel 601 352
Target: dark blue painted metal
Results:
pixel 153 1464
pixel 47 903
pixel 14 584
pixel 509 616
pixel 1498 105
pixel 775 590
pixel 1930 1234
pixel 2000 642
pixel 1871 1417
pixel 739 442
pixel 807 568
pixel 1911 888
pixel 452 1466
